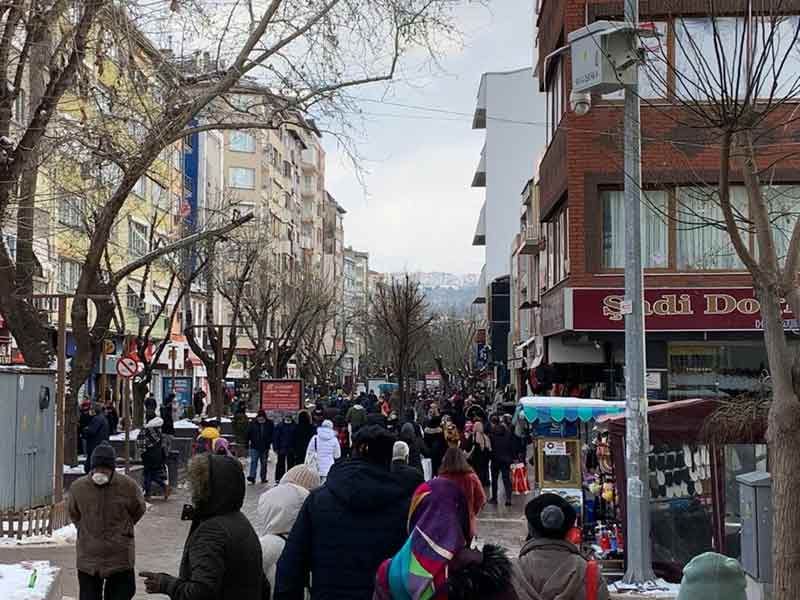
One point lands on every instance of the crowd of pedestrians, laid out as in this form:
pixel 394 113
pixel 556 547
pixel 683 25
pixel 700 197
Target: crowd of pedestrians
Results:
pixel 388 511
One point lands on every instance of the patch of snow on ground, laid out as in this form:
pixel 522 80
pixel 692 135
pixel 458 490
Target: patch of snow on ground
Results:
pixel 656 589
pixel 120 437
pixel 66 536
pixel 185 424
pixel 15 579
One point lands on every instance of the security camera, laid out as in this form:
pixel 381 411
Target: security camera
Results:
pixel 580 102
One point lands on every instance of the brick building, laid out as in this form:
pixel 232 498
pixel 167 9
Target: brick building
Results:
pixel 703 326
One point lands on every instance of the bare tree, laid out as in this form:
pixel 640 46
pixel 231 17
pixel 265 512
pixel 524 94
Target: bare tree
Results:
pixel 450 347
pixel 259 64
pixel 399 312
pixel 734 87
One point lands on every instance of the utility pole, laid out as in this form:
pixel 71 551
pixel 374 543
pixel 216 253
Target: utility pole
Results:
pixel 637 437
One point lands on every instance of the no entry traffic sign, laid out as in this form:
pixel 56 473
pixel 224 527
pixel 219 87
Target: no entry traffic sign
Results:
pixel 126 367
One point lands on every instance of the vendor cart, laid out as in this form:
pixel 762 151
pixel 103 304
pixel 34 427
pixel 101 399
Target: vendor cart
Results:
pixel 560 427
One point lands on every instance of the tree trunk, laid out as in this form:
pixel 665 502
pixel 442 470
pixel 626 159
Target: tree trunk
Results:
pixel 254 376
pixel 782 436
pixel 140 389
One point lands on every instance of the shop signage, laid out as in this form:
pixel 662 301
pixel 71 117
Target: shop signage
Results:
pixel 555 448
pixel 183 389
pixel 553 311
pixel 281 394
pixel 671 309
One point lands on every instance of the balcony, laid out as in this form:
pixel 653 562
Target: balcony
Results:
pixel 479 179
pixel 479 239
pixel 529 240
pixel 480 293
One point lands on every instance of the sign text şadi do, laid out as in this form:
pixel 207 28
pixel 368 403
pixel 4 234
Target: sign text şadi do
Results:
pixel 283 395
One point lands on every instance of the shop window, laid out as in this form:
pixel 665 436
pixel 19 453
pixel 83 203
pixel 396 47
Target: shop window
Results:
pixel 655 229
pixel 703 243
pixel 715 371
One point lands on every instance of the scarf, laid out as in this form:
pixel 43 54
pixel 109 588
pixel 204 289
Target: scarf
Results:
pixel 438 526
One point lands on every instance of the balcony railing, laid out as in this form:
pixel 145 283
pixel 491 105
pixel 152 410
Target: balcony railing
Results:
pixel 529 240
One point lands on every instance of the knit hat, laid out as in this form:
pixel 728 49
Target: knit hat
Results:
pixel 400 451
pixel 303 476
pixel 104 456
pixel 550 516
pixel 711 576
pixel 327 423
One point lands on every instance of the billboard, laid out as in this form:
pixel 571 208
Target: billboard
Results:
pixel 281 395
pixel 183 389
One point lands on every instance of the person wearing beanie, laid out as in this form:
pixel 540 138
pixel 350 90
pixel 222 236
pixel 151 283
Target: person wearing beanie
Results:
pixel 153 452
pixel 95 433
pixel 259 441
pixel 104 506
pixel 303 476
pixel 554 567
pixel 712 576
pixel 324 449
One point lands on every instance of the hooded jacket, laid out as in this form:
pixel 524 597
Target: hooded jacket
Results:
pixel 277 511
pixel 326 446
pixel 105 516
pixel 343 532
pixel 222 555
pixel 556 570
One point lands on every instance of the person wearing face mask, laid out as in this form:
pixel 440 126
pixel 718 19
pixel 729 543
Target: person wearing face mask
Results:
pixel 259 440
pixel 105 506
pixel 283 443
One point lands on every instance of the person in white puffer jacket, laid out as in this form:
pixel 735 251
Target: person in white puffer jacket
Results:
pixel 326 447
pixel 277 511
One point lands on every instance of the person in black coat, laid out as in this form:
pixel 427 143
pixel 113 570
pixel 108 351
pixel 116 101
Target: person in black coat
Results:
pixel 95 433
pixel 435 442
pixel 150 406
pixel 112 416
pixel 348 526
pixel 283 444
pixel 166 415
pixel 198 402
pixel 502 439
pixel 259 440
pixel 302 435
pixel 222 555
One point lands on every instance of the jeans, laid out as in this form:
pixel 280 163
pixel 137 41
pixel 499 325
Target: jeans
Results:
pixel 151 476
pixel 504 470
pixel 119 586
pixel 285 462
pixel 255 457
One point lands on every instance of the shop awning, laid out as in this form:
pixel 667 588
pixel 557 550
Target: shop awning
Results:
pixel 546 409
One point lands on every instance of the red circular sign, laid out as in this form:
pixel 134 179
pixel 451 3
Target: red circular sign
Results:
pixel 126 367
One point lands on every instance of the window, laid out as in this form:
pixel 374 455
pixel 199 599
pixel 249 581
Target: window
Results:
pixel 132 299
pixel 242 142
pixel 69 272
pixel 21 107
pixel 10 240
pixel 139 187
pixel 557 252
pixel 555 101
pixel 71 210
pixel 783 203
pixel 702 240
pixel 242 178
pixel 137 238
pixel 775 53
pixel 655 229
pixel 161 196
pixel 287 169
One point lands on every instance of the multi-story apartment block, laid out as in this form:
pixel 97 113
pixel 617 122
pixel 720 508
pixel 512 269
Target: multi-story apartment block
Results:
pixel 356 304
pixel 505 109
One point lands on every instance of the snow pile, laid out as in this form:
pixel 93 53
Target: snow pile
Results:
pixel 28 580
pixel 658 589
pixel 66 536
pixel 120 437
pixel 185 424
pixel 77 470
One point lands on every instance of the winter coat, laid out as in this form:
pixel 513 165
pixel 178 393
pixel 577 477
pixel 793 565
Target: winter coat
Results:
pixel 343 532
pixel 302 436
pixel 326 446
pixel 150 442
pixel 473 491
pixel 222 554
pixel 502 445
pixel 437 446
pixel 416 447
pixel 556 570
pixel 357 416
pixel 409 475
pixel 96 432
pixel 166 415
pixel 277 511
pixel 283 440
pixel 104 516
pixel 259 435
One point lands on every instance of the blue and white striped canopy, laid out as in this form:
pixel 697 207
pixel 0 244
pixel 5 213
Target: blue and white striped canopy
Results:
pixel 545 409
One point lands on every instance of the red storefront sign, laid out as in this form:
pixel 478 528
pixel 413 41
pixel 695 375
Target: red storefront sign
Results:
pixel 281 394
pixel 672 309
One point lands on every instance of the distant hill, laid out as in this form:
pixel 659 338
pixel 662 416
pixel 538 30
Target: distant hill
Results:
pixel 446 291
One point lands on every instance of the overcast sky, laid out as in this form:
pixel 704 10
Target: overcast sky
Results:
pixel 418 211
